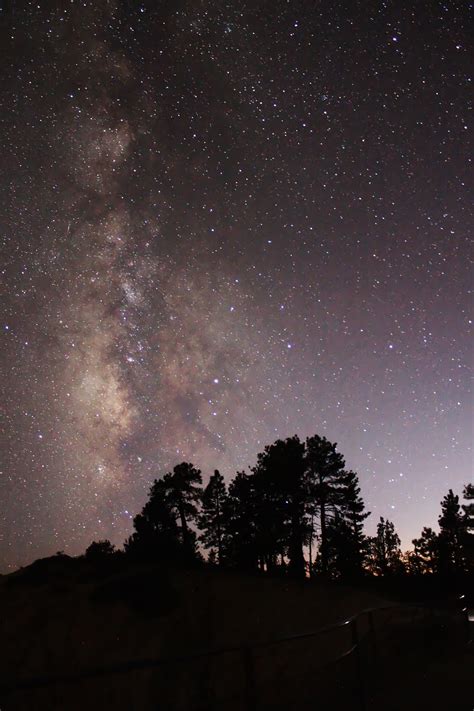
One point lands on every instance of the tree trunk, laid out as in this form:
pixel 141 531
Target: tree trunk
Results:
pixel 184 525
pixel 323 546
pixel 297 561
pixel 219 536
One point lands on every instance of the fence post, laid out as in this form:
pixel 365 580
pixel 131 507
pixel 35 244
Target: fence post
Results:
pixel 249 670
pixel 465 611
pixel 358 659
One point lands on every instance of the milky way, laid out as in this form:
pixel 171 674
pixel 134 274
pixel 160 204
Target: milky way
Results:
pixel 224 223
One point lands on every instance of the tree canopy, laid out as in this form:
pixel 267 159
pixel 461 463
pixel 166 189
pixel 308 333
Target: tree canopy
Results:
pixel 298 511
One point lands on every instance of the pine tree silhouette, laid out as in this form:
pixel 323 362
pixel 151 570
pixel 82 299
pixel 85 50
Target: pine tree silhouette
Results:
pixel 468 495
pixel 324 467
pixel 384 550
pixel 156 532
pixel 98 550
pixel 426 552
pixel 452 528
pixel 211 518
pixel 263 520
pixel 183 493
pixel 347 544
pixel 240 515
pixel 468 538
pixel 281 490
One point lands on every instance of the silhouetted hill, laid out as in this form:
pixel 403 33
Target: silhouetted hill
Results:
pixel 65 616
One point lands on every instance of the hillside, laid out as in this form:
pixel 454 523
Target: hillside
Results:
pixel 63 617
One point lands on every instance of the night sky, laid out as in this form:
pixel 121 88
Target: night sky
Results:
pixel 224 223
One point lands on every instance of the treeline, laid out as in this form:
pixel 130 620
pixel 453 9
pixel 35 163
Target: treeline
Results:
pixel 299 512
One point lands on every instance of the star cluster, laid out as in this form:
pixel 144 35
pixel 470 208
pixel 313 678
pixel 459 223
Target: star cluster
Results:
pixel 225 223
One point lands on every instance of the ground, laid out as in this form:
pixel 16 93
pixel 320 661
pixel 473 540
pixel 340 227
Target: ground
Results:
pixel 63 618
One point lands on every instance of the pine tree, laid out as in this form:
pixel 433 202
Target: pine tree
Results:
pixel 348 544
pixel 384 550
pixel 468 537
pixel 98 550
pixel 211 518
pixel 411 563
pixel 324 467
pixel 156 532
pixel 212 557
pixel 452 527
pixel 340 550
pixel 183 492
pixel 468 495
pixel 240 548
pixel 426 552
pixel 281 490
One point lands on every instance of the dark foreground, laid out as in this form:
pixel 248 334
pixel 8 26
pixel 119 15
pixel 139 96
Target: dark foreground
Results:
pixel 75 636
